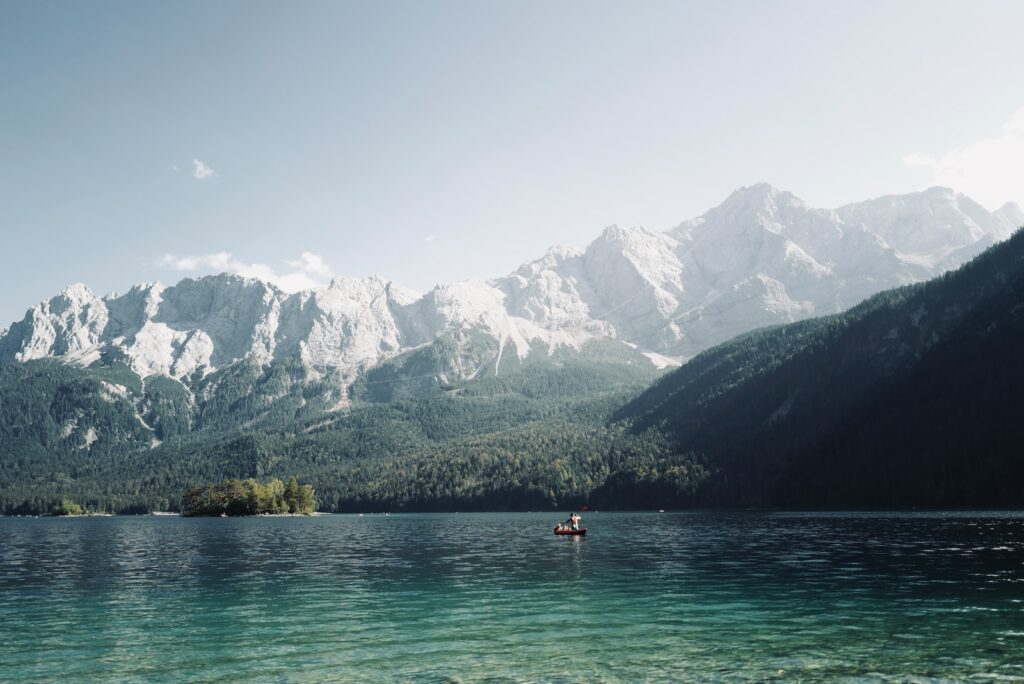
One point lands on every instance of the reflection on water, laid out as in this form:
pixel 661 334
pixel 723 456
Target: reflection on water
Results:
pixel 497 597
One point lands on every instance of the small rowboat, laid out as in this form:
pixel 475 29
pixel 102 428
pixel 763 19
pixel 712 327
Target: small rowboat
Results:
pixel 570 531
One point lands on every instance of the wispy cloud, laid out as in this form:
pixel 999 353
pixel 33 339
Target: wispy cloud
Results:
pixel 430 238
pixel 312 264
pixel 989 170
pixel 200 171
pixel 307 272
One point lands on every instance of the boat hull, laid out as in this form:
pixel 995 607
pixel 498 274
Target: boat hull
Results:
pixel 571 533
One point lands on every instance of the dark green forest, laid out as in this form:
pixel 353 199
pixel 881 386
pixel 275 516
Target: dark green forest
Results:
pixel 535 438
pixel 249 497
pixel 909 399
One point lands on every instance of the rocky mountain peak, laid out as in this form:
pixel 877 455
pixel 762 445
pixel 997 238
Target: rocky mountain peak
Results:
pixel 78 293
pixel 1012 214
pixel 762 256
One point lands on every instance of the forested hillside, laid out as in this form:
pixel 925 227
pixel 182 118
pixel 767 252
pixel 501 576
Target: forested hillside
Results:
pixel 537 438
pixel 910 399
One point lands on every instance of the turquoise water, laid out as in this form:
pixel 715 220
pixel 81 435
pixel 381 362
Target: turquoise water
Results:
pixel 497 597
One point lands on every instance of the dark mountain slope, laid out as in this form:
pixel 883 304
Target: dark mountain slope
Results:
pixel 910 399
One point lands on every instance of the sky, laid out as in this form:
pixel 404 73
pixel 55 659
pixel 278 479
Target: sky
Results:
pixel 436 141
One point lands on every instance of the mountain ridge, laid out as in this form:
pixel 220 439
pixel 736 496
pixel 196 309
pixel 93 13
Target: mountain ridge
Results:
pixel 761 257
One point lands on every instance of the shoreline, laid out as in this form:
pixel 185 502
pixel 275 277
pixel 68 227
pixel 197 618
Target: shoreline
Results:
pixel 690 511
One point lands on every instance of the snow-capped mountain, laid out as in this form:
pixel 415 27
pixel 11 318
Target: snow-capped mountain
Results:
pixel 761 257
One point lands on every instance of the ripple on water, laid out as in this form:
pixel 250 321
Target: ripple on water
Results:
pixel 497 597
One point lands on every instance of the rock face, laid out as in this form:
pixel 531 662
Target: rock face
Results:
pixel 762 257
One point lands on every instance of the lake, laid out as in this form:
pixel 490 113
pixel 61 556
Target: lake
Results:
pixel 735 596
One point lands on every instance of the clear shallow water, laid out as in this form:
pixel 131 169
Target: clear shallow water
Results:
pixel 497 597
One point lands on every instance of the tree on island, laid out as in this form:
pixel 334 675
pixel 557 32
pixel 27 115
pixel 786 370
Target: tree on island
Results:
pixel 66 507
pixel 248 497
pixel 299 498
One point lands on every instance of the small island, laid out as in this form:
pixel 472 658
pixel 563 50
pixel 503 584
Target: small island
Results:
pixel 249 497
pixel 66 507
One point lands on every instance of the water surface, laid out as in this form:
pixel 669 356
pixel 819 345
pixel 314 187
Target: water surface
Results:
pixel 497 597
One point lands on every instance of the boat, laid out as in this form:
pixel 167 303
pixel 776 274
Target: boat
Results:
pixel 569 531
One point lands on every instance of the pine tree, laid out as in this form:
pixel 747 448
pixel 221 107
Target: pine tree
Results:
pixel 291 495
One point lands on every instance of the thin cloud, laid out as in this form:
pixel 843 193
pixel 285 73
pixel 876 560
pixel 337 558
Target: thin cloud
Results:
pixel 312 264
pixel 307 273
pixel 430 238
pixel 988 170
pixel 200 171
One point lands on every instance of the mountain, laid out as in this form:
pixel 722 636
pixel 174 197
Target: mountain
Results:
pixel 499 393
pixel 762 257
pixel 909 399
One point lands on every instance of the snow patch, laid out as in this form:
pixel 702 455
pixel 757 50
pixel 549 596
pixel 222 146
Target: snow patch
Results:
pixel 82 357
pixel 110 392
pixel 660 361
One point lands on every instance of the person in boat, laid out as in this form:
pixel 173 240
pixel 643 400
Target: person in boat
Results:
pixel 574 521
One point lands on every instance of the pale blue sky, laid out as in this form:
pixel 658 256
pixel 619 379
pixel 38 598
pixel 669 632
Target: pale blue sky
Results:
pixel 430 141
